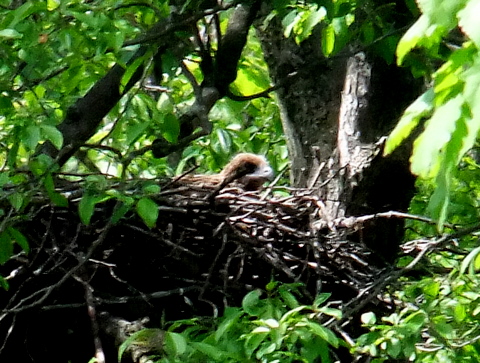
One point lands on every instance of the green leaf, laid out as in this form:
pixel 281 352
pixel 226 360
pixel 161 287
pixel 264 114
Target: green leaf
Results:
pixel 18 237
pixel 6 247
pixel 438 131
pixel 10 34
pixel 431 288
pixel 16 200
pixel 52 4
pixel 439 201
pixel 468 20
pixel 171 128
pixel 231 317
pixel 261 330
pixel 175 343
pixel 288 298
pixel 471 93
pixel 253 341
pixel 251 302
pixel 209 350
pixel 121 209
pixel 165 104
pixel 468 261
pixel 152 189
pixel 368 318
pixel 224 142
pixel 328 40
pixel 24 11
pixel 321 298
pixel 53 134
pixel 412 37
pixel 265 350
pixel 441 12
pixel 88 18
pixel 415 321
pixel 311 21
pixel 129 73
pixel 394 347
pixel 134 130
pixel 147 209
pixel 86 207
pixel 271 323
pixel 446 330
pixel 459 313
pixel 31 137
pixel 289 22
pixel 4 283
pixel 336 313
pixel 56 198
pixel 421 107
pixel 323 333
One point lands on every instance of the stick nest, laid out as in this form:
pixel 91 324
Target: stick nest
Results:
pixel 208 246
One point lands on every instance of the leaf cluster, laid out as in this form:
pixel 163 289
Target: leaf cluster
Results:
pixel 450 107
pixel 275 328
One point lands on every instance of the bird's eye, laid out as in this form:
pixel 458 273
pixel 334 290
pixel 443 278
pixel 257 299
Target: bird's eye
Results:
pixel 250 167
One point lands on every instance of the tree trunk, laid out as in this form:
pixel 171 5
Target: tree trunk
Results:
pixel 336 113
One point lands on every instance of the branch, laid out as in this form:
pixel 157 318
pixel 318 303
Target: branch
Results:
pixel 232 44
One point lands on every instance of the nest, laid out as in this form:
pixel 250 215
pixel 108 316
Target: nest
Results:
pixel 207 250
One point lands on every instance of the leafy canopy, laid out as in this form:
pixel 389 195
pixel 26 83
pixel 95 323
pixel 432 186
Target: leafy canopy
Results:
pixel 446 32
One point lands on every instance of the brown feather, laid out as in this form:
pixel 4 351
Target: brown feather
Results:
pixel 247 171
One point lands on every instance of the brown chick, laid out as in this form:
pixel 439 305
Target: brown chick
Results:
pixel 247 171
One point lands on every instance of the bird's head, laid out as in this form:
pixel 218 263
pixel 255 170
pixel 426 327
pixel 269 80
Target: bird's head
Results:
pixel 249 170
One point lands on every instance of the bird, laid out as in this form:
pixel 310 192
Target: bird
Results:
pixel 246 171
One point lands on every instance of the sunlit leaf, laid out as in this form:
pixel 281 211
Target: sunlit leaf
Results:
pixel 147 209
pixel 451 156
pixel 468 261
pixel 328 40
pixel 368 318
pixel 10 34
pixel 411 38
pixel 410 119
pixel 437 134
pixel 130 72
pixel 468 20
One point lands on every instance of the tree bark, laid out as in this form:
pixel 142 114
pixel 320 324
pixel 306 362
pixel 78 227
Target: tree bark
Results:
pixel 336 113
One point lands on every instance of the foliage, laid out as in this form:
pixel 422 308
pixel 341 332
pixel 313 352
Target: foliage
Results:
pixel 445 33
pixel 438 304
pixel 51 61
pixel 53 52
pixel 438 319
pixel 276 328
